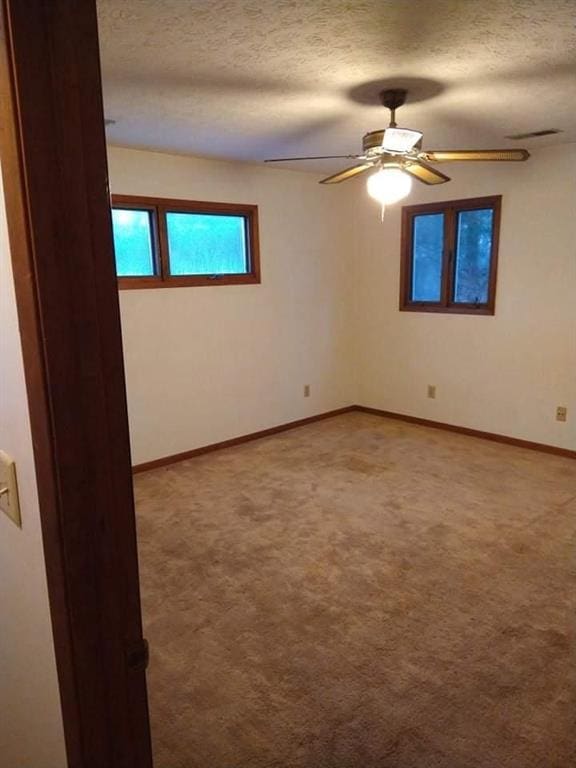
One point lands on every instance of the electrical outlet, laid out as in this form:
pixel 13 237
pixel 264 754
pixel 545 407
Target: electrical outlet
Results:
pixel 432 391
pixel 306 390
pixel 561 413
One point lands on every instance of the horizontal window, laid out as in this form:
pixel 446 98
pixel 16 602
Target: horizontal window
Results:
pixel 449 256
pixel 162 243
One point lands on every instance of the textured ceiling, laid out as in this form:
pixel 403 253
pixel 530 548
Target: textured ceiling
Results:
pixel 250 79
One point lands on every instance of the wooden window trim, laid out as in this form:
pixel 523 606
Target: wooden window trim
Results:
pixel 160 206
pixel 450 209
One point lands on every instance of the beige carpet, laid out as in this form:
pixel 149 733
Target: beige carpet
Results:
pixel 361 593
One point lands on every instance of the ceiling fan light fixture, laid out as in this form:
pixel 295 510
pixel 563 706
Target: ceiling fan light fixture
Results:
pixel 389 185
pixel 398 157
pixel 400 139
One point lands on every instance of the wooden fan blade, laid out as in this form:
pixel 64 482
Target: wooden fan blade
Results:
pixel 425 173
pixel 320 157
pixel 459 155
pixel 347 173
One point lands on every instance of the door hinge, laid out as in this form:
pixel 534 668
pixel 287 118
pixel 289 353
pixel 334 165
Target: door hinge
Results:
pixel 137 654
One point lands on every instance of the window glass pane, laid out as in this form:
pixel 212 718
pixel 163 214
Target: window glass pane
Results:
pixel 206 244
pixel 133 242
pixel 427 249
pixel 473 252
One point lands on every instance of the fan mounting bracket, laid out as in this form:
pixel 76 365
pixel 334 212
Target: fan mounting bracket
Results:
pixel 392 98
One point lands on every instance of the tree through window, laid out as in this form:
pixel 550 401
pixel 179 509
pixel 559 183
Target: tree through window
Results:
pixel 162 243
pixel 449 256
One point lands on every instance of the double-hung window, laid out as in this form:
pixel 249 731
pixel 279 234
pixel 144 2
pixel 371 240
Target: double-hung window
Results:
pixel 162 243
pixel 449 254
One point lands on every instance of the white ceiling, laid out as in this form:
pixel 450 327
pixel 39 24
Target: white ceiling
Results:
pixel 251 79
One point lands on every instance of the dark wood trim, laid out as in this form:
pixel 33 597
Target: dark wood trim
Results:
pixel 464 309
pixel 494 437
pixel 448 257
pixel 176 204
pixel 450 209
pixel 162 231
pixel 166 460
pixel 465 203
pixel 493 286
pixel 139 283
pixel 161 206
pixel 54 167
pixel 38 400
pixel 405 263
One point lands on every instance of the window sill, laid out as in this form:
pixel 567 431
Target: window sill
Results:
pixel 137 283
pixel 453 310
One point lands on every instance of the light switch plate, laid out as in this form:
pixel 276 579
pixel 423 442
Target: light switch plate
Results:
pixel 9 502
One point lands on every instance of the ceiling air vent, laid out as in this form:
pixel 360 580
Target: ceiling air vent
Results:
pixel 534 134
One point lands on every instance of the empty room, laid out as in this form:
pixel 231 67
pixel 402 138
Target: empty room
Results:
pixel 344 241
pixel 359 590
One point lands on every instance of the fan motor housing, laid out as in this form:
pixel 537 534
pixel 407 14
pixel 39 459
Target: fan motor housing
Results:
pixel 373 140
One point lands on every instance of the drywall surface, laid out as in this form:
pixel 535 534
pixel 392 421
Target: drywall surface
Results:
pixel 503 374
pixel 30 720
pixel 205 364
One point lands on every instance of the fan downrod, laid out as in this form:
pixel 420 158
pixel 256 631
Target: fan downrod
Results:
pixel 392 98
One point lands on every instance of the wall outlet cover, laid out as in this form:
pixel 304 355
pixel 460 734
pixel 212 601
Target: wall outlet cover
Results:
pixel 9 502
pixel 561 413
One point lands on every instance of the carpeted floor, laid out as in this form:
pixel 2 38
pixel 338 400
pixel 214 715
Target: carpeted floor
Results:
pixel 361 593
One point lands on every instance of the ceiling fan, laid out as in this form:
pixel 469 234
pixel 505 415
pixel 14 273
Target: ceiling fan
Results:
pixel 398 156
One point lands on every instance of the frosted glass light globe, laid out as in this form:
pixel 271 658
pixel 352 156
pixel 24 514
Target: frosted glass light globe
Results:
pixel 388 185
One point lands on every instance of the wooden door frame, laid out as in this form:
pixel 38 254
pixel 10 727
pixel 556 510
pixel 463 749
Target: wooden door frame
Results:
pixel 53 155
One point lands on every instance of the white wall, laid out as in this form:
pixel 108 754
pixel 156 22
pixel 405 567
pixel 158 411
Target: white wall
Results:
pixel 30 720
pixel 503 374
pixel 205 364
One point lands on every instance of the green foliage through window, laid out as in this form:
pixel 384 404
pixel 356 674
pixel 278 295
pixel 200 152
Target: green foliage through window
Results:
pixel 161 243
pixel 473 249
pixel 428 238
pixel 449 256
pixel 206 244
pixel 133 242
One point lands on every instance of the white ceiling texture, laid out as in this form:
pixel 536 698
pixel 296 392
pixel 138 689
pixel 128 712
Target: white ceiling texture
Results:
pixel 254 79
